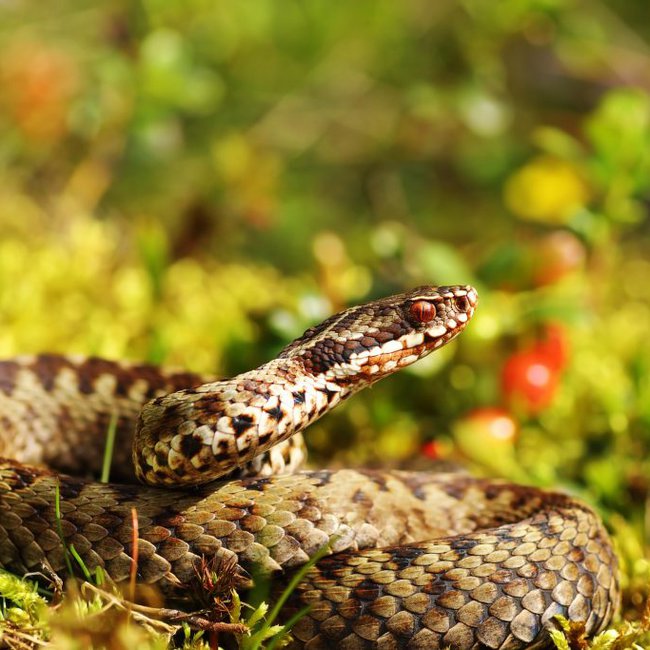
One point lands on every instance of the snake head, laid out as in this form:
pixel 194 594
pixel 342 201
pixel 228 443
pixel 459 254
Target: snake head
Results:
pixel 365 343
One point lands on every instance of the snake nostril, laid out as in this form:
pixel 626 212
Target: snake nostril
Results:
pixel 462 303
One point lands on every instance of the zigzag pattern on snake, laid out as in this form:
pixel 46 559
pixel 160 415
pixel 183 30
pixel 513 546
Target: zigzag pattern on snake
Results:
pixel 419 560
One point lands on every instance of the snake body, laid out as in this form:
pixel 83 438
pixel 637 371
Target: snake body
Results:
pixel 418 560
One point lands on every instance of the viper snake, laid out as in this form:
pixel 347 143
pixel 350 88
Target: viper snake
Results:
pixel 418 560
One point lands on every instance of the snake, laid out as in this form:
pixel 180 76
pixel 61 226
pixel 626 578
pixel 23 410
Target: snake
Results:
pixel 415 559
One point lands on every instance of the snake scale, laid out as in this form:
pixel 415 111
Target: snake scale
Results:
pixel 419 560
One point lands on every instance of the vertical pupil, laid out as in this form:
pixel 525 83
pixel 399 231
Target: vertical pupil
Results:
pixel 423 311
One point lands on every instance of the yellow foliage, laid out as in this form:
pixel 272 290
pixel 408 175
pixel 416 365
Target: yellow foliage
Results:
pixel 546 189
pixel 79 289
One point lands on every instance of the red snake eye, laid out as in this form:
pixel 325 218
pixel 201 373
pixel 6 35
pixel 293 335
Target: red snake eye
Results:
pixel 423 311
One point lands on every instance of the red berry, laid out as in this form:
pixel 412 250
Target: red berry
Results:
pixel 529 380
pixel 554 346
pixel 39 83
pixel 431 449
pixel 493 422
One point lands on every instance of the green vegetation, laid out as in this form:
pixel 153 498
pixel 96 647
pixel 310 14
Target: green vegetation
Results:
pixel 195 183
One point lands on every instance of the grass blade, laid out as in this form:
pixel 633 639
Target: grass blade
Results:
pixel 59 526
pixel 286 628
pixel 297 577
pixel 108 449
pixel 80 562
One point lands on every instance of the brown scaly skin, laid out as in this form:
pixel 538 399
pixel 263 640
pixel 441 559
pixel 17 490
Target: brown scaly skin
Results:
pixel 502 560
pixel 493 588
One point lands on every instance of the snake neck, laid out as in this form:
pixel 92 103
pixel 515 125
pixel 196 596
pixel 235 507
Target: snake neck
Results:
pixel 197 435
pixel 282 398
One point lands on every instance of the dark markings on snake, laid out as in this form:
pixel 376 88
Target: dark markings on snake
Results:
pixel 25 474
pixel 184 379
pixel 435 587
pixel 190 445
pixel 377 478
pixel 314 363
pixel 384 337
pixel 311 333
pixel 331 394
pixel 298 397
pixel 258 484
pixel 361 497
pixel 492 492
pixel 153 379
pixel 253 387
pixel 47 367
pixel 169 520
pixel 408 553
pixel 353 345
pixel 415 486
pixel 368 342
pixel 275 412
pixel 209 405
pixel 222 447
pixel 8 376
pixel 5 423
pixel 70 489
pixel 462 544
pixel 321 477
pixel 241 423
pixel 92 368
pixel 455 490
pixel 367 590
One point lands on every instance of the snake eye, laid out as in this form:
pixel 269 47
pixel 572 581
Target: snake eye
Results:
pixel 423 311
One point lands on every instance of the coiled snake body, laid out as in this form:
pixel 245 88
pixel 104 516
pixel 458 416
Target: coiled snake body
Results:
pixel 419 560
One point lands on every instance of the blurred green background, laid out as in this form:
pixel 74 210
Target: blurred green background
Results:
pixel 195 183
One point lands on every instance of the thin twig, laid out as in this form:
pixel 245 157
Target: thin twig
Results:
pixel 134 563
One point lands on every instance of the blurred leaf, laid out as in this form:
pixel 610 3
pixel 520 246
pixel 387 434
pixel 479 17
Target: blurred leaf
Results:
pixel 619 130
pixel 170 77
pixel 442 264
pixel 558 143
